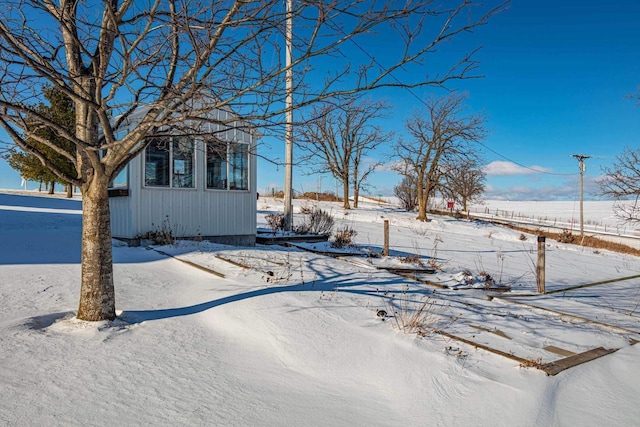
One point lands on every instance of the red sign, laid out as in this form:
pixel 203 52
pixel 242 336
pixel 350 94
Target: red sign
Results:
pixel 449 205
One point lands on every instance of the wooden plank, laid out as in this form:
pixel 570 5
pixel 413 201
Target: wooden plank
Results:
pixel 558 366
pixel 485 347
pixel 282 240
pixel 559 351
pixel 552 368
pixel 336 254
pixel 588 285
pixel 191 264
pixel 492 331
pixel 237 264
pixel 200 267
pixel 357 263
pixel 418 279
pixel 400 269
pixel 572 316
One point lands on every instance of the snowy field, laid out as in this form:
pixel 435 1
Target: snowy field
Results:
pixel 595 212
pixel 289 337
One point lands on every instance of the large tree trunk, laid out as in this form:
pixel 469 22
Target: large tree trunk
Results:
pixel 69 188
pixel 345 194
pixel 52 187
pixel 97 296
pixel 356 195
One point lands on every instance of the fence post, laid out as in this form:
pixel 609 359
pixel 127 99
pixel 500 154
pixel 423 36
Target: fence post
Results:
pixel 541 265
pixel 386 238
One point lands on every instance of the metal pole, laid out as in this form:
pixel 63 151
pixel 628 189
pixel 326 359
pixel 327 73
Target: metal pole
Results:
pixel 288 163
pixel 581 200
pixel 581 158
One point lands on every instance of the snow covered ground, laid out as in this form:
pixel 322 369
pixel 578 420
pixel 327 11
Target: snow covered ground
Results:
pixel 599 216
pixel 290 337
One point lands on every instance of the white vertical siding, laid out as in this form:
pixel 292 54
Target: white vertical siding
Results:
pixel 120 216
pixel 189 212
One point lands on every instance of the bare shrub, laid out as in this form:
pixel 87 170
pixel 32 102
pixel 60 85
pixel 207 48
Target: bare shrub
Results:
pixel 566 237
pixel 344 237
pixel 275 221
pixel 407 193
pixel 320 222
pixel 522 237
pixel 162 235
pixel 306 209
pixel 433 261
pixel 411 259
pixel 485 277
pixel 421 317
pixel 304 228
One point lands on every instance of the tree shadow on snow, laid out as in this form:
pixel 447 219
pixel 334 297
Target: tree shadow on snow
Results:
pixel 326 281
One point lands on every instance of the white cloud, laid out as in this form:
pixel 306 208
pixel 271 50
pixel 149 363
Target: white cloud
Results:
pixel 499 167
pixel 390 166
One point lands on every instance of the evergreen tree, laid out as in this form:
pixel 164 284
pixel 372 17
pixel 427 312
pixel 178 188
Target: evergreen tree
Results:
pixel 60 110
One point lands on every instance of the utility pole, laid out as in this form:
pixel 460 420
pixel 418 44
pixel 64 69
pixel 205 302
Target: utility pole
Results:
pixel 288 137
pixel 581 158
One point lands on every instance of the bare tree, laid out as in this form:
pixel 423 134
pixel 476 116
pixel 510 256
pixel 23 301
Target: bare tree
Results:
pixel 172 63
pixel 463 180
pixel 336 137
pixel 407 192
pixel 622 182
pixel 439 132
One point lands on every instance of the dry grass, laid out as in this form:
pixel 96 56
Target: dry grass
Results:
pixel 411 259
pixel 322 197
pixel 417 316
pixel 588 241
pixel 376 199
pixel 532 363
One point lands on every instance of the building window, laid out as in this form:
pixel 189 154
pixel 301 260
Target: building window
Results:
pixel 182 153
pixel 227 166
pixel 122 179
pixel 169 163
pixel 238 167
pixel 217 165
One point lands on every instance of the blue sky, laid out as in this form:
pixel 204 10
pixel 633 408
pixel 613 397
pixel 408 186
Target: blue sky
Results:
pixel 556 76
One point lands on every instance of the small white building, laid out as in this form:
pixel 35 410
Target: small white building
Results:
pixel 195 189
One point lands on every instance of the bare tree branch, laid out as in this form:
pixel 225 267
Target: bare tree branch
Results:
pixel 622 183
pixel 438 133
pixel 336 139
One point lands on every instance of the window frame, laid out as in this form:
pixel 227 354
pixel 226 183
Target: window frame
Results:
pixel 171 141
pixel 228 168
